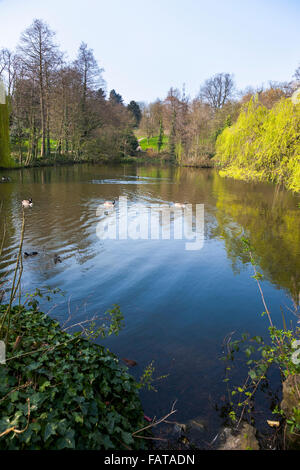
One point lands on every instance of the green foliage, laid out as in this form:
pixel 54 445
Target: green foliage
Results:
pixel 44 292
pixel 219 130
pixel 160 139
pixel 152 143
pixel 172 138
pixel 134 108
pixel 260 356
pixel 147 379
pixel 129 143
pixel 252 208
pixel 263 144
pixel 60 391
pixel 278 350
pixel 294 422
pixel 111 323
pixel 110 143
pixel 115 98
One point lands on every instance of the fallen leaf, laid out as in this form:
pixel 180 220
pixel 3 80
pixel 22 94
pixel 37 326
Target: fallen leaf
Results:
pixel 129 362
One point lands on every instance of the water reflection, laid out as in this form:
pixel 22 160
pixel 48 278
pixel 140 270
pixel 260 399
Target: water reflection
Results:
pixel 270 218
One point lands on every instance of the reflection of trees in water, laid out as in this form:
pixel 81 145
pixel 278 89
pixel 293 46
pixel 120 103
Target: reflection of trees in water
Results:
pixel 270 218
pixel 9 225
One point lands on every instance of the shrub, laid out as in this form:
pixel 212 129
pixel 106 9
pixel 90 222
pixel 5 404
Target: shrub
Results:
pixel 263 144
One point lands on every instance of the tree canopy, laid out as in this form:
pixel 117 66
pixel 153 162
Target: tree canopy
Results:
pixel 263 144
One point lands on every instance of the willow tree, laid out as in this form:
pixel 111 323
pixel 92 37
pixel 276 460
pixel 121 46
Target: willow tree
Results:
pixel 263 144
pixel 5 160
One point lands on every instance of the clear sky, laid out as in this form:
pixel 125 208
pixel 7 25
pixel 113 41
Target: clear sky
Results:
pixel 147 46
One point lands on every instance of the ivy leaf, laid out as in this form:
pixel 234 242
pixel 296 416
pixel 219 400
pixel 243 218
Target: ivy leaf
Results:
pixel 50 430
pixel 67 441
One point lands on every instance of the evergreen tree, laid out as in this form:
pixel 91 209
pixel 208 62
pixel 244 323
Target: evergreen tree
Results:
pixel 115 98
pixel 100 94
pixel 172 143
pixel 134 108
pixel 130 143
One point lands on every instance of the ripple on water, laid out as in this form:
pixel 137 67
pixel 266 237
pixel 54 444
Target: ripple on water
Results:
pixel 121 182
pixel 178 305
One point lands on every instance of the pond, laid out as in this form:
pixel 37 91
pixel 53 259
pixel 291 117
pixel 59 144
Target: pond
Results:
pixel 179 305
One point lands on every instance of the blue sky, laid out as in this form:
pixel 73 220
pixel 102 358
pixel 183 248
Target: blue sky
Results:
pixel 147 46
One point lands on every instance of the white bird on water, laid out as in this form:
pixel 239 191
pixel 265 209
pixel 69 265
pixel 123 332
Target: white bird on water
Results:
pixel 27 202
pixel 180 204
pixel 109 203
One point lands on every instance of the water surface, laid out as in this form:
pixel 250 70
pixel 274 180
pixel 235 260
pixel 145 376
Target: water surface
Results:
pixel 178 305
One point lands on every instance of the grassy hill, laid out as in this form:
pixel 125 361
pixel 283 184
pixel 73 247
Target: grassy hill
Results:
pixel 151 143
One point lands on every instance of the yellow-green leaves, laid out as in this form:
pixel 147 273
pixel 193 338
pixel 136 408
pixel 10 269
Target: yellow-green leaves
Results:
pixel 263 144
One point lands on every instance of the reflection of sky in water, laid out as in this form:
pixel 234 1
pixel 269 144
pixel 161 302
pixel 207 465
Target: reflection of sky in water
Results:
pixel 178 305
pixel 151 221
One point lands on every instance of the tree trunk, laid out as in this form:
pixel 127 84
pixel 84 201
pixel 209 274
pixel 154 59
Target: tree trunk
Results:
pixel 42 103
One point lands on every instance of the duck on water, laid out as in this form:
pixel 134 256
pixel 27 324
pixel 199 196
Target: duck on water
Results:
pixel 27 202
pixel 5 179
pixel 109 203
pixel 180 204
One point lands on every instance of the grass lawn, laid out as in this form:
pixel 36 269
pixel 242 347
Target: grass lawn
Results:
pixel 152 143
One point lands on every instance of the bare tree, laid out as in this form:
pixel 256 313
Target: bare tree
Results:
pixel 65 109
pixel 297 74
pixel 89 70
pixel 91 80
pixel 38 54
pixel 2 62
pixel 217 90
pixel 8 68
